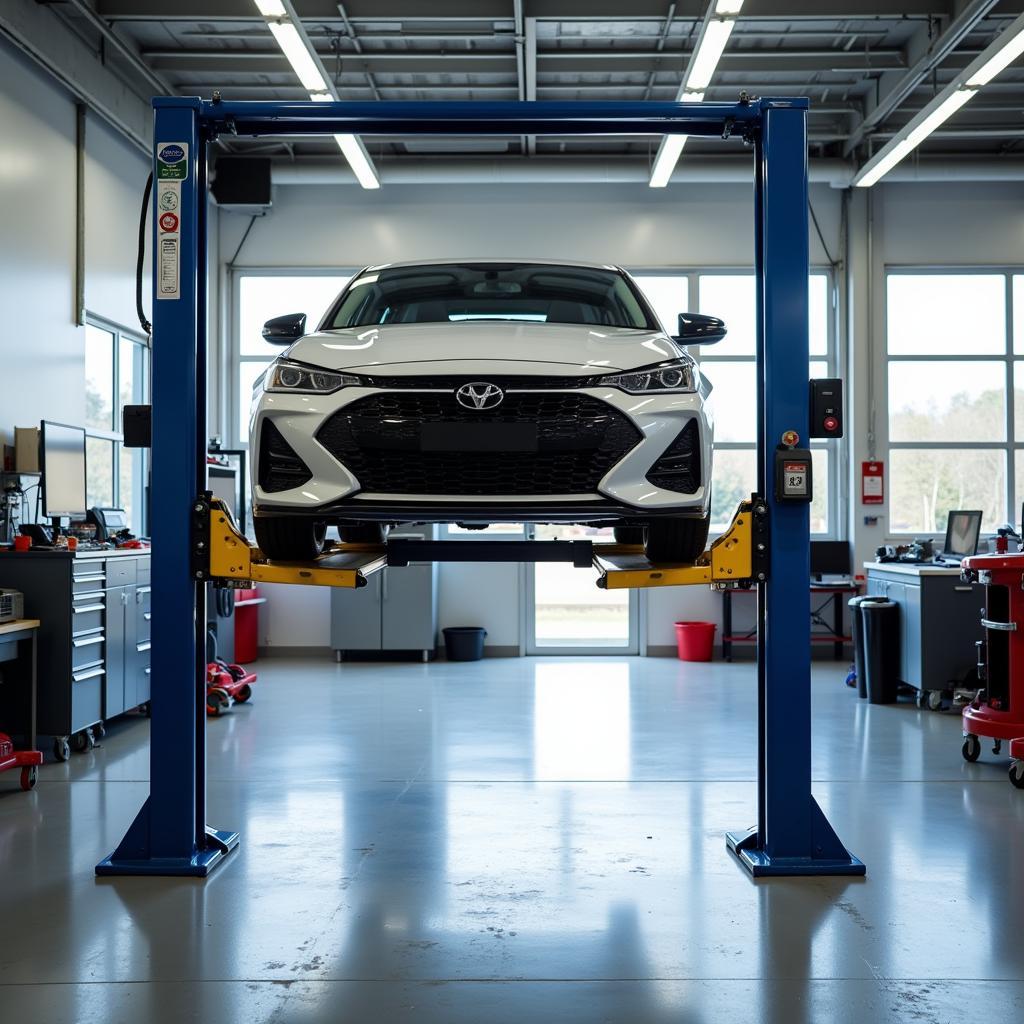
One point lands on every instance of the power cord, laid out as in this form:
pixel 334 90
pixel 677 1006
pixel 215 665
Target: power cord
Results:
pixel 146 325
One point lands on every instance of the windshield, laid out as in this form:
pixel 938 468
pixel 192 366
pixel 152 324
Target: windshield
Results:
pixel 456 292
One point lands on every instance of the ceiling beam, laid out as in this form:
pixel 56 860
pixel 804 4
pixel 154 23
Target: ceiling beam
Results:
pixel 548 61
pixel 45 38
pixel 498 10
pixel 934 53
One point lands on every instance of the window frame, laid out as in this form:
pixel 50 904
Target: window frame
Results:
pixel 233 400
pixel 838 449
pixel 1009 446
pixel 141 379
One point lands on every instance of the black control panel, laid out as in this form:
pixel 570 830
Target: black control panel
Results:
pixel 827 407
pixel 794 481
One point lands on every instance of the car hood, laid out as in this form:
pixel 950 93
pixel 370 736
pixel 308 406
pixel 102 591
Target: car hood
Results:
pixel 508 347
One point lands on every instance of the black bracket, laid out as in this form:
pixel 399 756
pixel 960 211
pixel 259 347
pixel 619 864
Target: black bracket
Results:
pixel 200 536
pixel 760 555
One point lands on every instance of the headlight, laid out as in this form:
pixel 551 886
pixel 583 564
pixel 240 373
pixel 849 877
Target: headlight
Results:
pixel 681 376
pixel 285 376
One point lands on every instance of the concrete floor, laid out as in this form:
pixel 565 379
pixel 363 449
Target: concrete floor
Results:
pixel 525 839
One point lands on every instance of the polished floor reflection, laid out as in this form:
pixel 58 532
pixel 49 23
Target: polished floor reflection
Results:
pixel 520 838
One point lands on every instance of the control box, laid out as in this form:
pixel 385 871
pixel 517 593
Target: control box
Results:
pixel 826 407
pixel 794 481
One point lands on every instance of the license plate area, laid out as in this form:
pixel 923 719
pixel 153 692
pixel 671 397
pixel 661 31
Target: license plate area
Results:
pixel 478 437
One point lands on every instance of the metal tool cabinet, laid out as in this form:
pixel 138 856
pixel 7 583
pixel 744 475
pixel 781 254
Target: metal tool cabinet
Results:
pixel 94 639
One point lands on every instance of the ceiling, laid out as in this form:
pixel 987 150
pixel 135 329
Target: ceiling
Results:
pixel 866 70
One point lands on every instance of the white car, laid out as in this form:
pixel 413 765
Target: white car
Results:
pixel 484 391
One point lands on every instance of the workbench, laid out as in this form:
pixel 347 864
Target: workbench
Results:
pixel 830 632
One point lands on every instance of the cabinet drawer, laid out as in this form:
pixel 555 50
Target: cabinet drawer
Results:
pixel 120 571
pixel 88 584
pixel 86 698
pixel 142 570
pixel 87 567
pixel 143 615
pixel 87 615
pixel 87 650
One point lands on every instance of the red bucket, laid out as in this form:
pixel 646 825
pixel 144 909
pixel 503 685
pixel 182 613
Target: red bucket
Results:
pixel 695 640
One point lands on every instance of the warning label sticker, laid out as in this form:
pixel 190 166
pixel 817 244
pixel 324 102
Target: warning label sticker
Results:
pixel 168 243
pixel 172 161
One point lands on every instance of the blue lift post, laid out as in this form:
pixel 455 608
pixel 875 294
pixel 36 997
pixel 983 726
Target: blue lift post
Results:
pixel 170 836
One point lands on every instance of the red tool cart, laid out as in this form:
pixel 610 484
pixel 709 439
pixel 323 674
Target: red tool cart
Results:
pixel 13 635
pixel 997 711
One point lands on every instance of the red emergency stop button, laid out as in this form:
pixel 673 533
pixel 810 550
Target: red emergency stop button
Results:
pixel 831 423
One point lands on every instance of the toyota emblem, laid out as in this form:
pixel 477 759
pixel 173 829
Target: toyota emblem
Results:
pixel 479 395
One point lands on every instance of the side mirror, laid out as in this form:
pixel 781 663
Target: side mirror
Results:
pixel 698 329
pixel 283 330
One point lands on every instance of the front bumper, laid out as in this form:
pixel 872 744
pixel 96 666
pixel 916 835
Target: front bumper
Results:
pixel 624 490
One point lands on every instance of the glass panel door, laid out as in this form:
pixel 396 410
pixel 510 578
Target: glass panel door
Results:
pixel 567 613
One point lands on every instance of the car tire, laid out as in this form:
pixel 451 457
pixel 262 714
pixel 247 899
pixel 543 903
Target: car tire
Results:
pixel 676 540
pixel 287 539
pixel 632 535
pixel 366 533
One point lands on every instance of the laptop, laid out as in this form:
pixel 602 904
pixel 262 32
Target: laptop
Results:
pixel 830 562
pixel 963 531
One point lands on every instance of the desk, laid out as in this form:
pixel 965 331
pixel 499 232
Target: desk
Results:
pixel 12 634
pixel 832 631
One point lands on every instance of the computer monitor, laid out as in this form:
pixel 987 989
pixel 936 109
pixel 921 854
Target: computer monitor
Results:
pixel 963 529
pixel 62 462
pixel 830 558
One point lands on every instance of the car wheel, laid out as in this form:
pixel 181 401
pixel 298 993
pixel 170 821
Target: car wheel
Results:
pixel 289 539
pixel 676 540
pixel 366 533
pixel 633 535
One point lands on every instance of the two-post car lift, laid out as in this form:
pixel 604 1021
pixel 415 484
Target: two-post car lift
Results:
pixel 194 539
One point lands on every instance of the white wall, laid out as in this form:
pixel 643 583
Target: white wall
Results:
pixel 41 346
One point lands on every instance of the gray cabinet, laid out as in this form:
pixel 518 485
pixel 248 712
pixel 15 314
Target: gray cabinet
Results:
pixel 395 611
pixel 939 621
pixel 94 634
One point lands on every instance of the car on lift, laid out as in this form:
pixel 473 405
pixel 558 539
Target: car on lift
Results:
pixel 484 391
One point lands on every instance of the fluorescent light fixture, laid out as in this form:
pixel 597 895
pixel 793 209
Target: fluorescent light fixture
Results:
pixel 945 110
pixel 665 162
pixel 999 54
pixel 359 160
pixel 301 60
pixel 284 23
pixel 709 52
pixel 1006 55
pixel 886 164
pixel 719 22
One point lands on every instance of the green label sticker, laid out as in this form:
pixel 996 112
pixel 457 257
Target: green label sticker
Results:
pixel 172 161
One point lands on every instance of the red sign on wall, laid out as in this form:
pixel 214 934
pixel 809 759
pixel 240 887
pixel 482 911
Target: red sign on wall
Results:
pixel 872 483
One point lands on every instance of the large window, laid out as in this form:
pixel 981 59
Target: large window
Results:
pixel 729 366
pixel 116 375
pixel 955 440
pixel 261 296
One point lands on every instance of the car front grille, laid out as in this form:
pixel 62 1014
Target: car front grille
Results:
pixel 579 438
pixel 678 469
pixel 280 469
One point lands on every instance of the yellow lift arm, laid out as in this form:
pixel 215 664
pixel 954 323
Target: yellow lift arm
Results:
pixel 736 559
pixel 739 558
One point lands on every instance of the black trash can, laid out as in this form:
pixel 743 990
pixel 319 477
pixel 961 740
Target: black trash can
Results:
pixel 881 620
pixel 857 636
pixel 464 643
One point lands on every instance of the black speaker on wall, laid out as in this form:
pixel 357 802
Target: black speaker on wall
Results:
pixel 242 182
